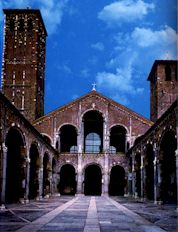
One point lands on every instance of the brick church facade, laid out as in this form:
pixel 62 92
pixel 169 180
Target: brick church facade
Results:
pixel 90 146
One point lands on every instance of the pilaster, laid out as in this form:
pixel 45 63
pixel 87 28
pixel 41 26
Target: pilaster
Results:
pixel 4 162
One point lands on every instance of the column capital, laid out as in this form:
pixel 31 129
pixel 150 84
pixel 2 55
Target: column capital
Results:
pixel 4 148
pixel 176 152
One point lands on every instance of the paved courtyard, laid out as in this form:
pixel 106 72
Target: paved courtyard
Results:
pixel 88 214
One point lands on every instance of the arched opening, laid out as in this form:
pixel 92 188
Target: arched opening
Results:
pixel 138 174
pixel 117 181
pixel 46 171
pixel 93 132
pixel 67 184
pixel 149 171
pixel 92 182
pixel 68 139
pixel 34 172
pixel 168 191
pixel 15 171
pixel 118 139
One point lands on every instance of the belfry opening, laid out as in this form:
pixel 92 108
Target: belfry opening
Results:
pixel 117 181
pixel 93 180
pixel 67 183
pixel 15 171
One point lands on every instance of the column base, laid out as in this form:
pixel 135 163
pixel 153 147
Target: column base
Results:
pixel 2 207
pixel 56 195
pixel 26 201
pixel 158 202
pixel 105 194
pixel 79 195
pixel 46 196
pixel 22 200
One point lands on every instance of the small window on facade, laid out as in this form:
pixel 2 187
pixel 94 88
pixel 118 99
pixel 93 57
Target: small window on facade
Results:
pixel 29 25
pixel 73 149
pixel 21 25
pixel 112 150
pixel 167 73
pixel 12 25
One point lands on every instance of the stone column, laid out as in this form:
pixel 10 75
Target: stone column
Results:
pixel 176 153
pixel 80 138
pixel 40 181
pixel 27 179
pixel 142 170
pixel 155 162
pixel 59 142
pixel 4 163
pixel 133 175
pixel 79 176
pixel 104 137
pixel 105 178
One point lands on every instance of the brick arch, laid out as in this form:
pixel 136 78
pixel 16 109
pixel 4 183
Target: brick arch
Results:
pixel 114 165
pixel 20 132
pixel 48 136
pixel 97 110
pixel 68 124
pixel 164 132
pixel 58 167
pixel 92 163
pixel 119 124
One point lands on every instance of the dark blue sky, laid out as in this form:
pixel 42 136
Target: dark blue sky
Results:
pixel 112 43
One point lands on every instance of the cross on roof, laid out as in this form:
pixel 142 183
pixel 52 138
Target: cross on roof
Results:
pixel 94 86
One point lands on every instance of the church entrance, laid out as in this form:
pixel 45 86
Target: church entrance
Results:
pixel 92 183
pixel 15 171
pixel 67 184
pixel 117 181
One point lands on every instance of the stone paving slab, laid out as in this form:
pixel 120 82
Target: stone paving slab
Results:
pixel 88 214
pixel 164 216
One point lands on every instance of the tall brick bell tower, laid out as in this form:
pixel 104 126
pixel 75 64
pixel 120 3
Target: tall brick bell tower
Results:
pixel 163 87
pixel 23 69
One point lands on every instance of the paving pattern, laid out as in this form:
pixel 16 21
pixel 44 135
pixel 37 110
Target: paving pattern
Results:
pixel 88 214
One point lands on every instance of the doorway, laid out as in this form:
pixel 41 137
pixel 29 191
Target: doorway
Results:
pixel 92 182
pixel 117 181
pixel 67 184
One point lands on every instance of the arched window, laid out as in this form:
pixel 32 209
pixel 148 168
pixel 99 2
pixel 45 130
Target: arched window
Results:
pixel 93 132
pixel 68 139
pixel 118 139
pixel 93 143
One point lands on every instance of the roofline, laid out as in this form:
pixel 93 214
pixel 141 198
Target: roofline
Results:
pixel 147 121
pixel 29 125
pixel 27 10
pixel 156 62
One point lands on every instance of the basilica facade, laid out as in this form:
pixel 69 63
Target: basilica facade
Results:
pixel 90 146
